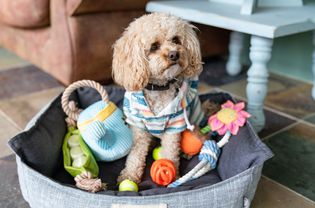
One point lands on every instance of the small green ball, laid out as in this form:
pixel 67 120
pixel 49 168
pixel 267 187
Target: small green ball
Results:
pixel 156 154
pixel 128 185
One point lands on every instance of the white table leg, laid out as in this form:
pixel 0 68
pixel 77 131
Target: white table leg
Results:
pixel 234 64
pixel 260 54
pixel 313 66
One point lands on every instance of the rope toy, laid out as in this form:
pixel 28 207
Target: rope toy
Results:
pixel 70 108
pixel 226 122
pixel 86 182
pixel 208 158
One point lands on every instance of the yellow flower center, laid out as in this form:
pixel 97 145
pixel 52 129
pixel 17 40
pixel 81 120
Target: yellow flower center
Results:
pixel 227 115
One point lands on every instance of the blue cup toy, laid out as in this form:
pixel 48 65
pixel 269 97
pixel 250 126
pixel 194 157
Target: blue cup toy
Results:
pixel 101 125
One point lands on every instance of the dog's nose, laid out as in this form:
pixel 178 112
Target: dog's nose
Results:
pixel 173 55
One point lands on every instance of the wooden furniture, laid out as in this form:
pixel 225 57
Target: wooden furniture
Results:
pixel 264 24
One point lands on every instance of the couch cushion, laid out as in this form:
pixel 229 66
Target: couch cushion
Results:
pixel 24 13
pixel 75 7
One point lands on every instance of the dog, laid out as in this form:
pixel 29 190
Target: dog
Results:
pixel 157 60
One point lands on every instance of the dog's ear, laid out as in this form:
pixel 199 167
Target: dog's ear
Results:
pixel 194 54
pixel 130 66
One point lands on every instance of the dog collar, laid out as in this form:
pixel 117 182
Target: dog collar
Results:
pixel 154 87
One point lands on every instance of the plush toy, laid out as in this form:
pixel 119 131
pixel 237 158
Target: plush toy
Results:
pixel 226 122
pixel 77 156
pixel 79 162
pixel 208 157
pixel 230 118
pixel 101 124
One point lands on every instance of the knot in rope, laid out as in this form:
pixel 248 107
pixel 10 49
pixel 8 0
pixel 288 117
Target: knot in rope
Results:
pixel 86 182
pixel 210 152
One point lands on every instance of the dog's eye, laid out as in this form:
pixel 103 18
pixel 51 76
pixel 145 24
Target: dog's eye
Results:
pixel 176 40
pixel 154 46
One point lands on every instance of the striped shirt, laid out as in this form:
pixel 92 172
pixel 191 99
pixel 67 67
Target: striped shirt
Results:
pixel 170 120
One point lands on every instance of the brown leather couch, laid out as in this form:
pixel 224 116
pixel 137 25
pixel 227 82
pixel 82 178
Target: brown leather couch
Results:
pixel 72 39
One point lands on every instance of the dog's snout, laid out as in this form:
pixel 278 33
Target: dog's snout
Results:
pixel 173 55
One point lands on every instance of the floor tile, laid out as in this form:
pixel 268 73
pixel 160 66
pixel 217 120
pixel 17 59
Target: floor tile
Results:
pixel 9 60
pixel 311 119
pixel 286 95
pixel 276 84
pixel 274 123
pixel 23 80
pixel 214 72
pixel 22 109
pixel 270 194
pixel 10 193
pixel 7 131
pixel 293 163
pixel 296 101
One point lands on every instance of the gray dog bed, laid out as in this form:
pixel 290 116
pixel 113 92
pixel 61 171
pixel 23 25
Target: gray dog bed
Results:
pixel 45 183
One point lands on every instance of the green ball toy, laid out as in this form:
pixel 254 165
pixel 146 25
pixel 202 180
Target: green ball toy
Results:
pixel 156 154
pixel 128 185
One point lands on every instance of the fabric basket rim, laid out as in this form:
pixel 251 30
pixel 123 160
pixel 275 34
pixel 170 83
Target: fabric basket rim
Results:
pixel 75 191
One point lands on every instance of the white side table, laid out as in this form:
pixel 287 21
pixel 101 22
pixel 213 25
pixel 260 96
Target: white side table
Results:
pixel 263 26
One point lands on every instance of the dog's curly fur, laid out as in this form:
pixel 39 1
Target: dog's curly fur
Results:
pixel 141 56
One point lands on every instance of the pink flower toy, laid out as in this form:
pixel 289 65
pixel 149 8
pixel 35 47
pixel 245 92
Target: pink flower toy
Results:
pixel 230 118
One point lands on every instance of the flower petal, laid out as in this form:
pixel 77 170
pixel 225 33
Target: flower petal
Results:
pixel 240 121
pixel 234 129
pixel 228 104
pixel 216 124
pixel 229 126
pixel 222 130
pixel 239 106
pixel 211 118
pixel 244 114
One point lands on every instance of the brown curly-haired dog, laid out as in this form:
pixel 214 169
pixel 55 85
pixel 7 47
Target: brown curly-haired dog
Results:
pixel 155 55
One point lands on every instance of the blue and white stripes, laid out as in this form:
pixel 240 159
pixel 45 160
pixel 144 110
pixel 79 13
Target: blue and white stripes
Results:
pixel 172 118
pixel 210 152
pixel 104 131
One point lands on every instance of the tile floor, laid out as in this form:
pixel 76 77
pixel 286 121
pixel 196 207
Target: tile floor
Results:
pixel 8 60
pixel 289 177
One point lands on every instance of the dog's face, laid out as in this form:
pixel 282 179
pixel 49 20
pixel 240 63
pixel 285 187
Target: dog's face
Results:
pixel 167 57
pixel 156 48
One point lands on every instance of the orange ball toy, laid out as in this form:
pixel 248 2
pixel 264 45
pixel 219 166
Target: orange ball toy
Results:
pixel 163 172
pixel 191 142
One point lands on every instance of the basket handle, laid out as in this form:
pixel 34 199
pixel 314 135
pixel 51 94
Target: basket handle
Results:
pixel 73 112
